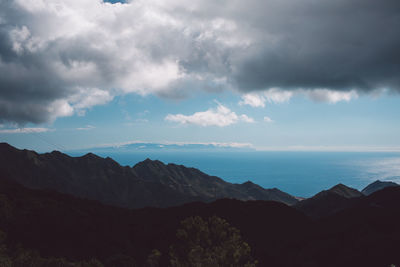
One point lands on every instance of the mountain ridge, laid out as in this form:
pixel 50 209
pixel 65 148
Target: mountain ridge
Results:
pixel 376 186
pixel 61 225
pixel 148 183
pixel 329 201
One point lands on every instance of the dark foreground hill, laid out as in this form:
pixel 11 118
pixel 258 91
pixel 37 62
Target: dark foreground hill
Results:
pixel 59 225
pixel 64 226
pixel 149 183
pixel 329 201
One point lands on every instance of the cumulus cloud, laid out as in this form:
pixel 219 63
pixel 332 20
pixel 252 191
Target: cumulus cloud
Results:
pixel 325 95
pixel 280 96
pixel 268 119
pixel 221 116
pixel 253 99
pixel 273 95
pixel 24 130
pixel 59 58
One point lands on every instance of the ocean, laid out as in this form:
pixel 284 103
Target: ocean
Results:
pixel 297 173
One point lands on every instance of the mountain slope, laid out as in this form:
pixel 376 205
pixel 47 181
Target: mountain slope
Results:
pixel 376 186
pixel 192 182
pixel 363 234
pixel 149 183
pixel 60 225
pixel 329 201
pixel 88 176
pixel 345 191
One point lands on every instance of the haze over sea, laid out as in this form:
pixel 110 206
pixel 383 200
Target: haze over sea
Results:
pixel 298 173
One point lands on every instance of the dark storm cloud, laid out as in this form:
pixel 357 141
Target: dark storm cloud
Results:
pixel 339 45
pixel 62 57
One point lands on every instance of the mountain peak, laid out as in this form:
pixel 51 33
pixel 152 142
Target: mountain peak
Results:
pixel 56 153
pixel 248 183
pixel 150 163
pixel 329 201
pixel 6 146
pixel 91 156
pixel 345 191
pixel 376 186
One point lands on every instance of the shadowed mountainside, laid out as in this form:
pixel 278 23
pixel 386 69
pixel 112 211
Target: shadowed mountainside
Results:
pixel 59 225
pixel 376 186
pixel 149 183
pixel 191 181
pixel 329 201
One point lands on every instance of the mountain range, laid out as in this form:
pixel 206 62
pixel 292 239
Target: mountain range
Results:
pixel 148 183
pixel 151 183
pixel 79 208
pixel 56 225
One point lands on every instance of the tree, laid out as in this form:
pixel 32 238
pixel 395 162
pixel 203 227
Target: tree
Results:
pixel 120 260
pixel 153 260
pixel 212 242
pixel 5 261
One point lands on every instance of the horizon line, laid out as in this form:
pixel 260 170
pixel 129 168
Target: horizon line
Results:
pixel 249 146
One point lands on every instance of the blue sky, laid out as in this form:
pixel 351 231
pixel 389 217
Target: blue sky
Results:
pixel 362 124
pixel 269 75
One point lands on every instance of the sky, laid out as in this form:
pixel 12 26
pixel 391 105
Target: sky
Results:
pixel 267 75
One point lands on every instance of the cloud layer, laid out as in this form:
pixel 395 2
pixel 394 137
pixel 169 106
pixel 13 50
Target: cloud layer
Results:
pixel 24 130
pixel 221 116
pixel 59 58
pixel 273 95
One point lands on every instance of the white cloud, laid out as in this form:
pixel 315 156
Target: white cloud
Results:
pixel 330 96
pixel 59 108
pixel 276 95
pixel 273 95
pixel 24 130
pixel 268 119
pixel 253 99
pixel 86 128
pixel 85 98
pixel 59 58
pixel 221 116
pixel 246 118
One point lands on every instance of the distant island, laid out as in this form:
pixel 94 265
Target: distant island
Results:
pixel 135 146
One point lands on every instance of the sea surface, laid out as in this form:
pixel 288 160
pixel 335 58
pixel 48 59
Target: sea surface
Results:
pixel 297 173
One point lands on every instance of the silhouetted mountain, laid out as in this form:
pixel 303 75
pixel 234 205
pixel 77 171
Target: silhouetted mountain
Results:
pixel 149 183
pixel 364 234
pixel 259 193
pixel 59 225
pixel 329 201
pixel 376 186
pixel 64 226
pixel 345 191
pixel 194 183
